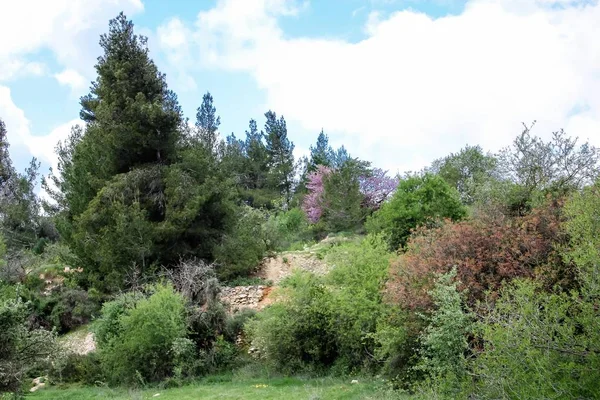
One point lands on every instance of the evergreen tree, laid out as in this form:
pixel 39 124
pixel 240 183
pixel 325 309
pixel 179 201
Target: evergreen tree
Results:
pixel 321 154
pixel 255 189
pixel 19 206
pixel 6 167
pixel 207 122
pixel 280 155
pixel 130 111
pixel 136 191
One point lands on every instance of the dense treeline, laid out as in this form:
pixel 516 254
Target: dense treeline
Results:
pixel 474 278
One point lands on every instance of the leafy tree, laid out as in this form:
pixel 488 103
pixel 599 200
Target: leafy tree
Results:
pixel 280 156
pixel 19 206
pixel 376 187
pixel 558 165
pixel 417 201
pixel 339 157
pixel 6 167
pixel 313 201
pixel 466 171
pixel 233 159
pixel 256 174
pixel 207 122
pixel 131 114
pixel 21 349
pixel 342 199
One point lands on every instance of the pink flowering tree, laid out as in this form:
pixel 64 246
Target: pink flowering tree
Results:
pixel 375 187
pixel 313 201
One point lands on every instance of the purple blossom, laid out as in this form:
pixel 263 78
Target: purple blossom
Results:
pixel 312 204
pixel 377 188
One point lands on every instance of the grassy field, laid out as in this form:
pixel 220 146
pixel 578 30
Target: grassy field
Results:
pixel 251 389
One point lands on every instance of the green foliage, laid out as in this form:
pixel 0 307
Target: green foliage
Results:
pixel 77 368
pixel 319 322
pixel 342 198
pixel 295 332
pixel 538 345
pixel 418 200
pixel 444 341
pixel 234 326
pixel 583 227
pixel 466 171
pixel 73 308
pixel 135 335
pixel 280 156
pixel 557 166
pixel 243 249
pixel 21 349
pixel 287 228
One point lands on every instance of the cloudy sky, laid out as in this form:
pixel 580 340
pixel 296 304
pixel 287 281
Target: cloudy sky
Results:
pixel 399 82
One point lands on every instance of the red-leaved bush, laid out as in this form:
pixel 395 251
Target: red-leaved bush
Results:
pixel 486 251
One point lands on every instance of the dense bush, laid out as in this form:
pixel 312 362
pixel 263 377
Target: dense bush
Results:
pixel 417 201
pixel 538 345
pixel 295 332
pixel 243 249
pixel 583 227
pixel 285 229
pixel 135 335
pixel 444 344
pixel 21 349
pixel 321 322
pixel 77 368
pixel 486 252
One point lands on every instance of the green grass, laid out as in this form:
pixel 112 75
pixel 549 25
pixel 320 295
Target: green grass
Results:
pixel 229 389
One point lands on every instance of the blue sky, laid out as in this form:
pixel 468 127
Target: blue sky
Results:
pixel 399 83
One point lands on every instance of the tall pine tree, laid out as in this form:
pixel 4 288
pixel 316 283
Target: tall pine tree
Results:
pixel 134 193
pixel 321 153
pixel 280 156
pixel 19 206
pixel 207 122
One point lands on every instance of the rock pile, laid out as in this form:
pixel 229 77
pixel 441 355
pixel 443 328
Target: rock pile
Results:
pixel 239 297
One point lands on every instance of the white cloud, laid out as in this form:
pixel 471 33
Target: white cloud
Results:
pixel 72 79
pixel 65 27
pixel 19 131
pixel 69 30
pixel 417 88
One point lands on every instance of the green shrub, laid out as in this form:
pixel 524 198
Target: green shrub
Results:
pixel 135 342
pixel 323 322
pixel 185 360
pixel 108 327
pixel 538 345
pixel 242 250
pixel 583 227
pixel 417 201
pixel 444 341
pixel 21 349
pixel 234 326
pixel 295 332
pixel 288 229
pixel 73 308
pixel 205 323
pixel 77 368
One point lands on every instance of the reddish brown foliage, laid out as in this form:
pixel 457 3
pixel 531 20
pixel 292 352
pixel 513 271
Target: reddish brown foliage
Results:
pixel 486 251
